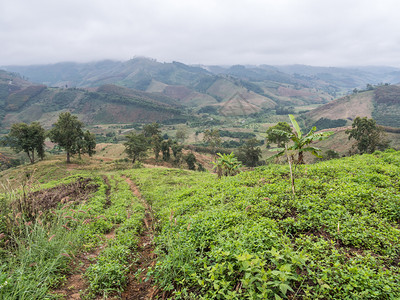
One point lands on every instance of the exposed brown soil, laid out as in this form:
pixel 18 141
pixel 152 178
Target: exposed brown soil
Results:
pixel 72 166
pixel 138 287
pixel 75 192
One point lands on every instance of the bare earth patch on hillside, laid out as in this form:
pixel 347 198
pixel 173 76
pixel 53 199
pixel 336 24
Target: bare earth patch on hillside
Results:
pixel 75 192
pixel 349 107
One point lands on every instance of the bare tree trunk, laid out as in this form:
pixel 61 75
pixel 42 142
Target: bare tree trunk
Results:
pixel 301 158
pixel 290 160
pixel 30 157
pixel 68 158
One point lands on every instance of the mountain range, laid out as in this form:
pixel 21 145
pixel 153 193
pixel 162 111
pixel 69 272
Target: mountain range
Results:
pixel 144 90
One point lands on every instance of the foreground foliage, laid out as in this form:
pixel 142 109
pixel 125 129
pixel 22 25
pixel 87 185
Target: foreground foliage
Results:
pixel 43 233
pixel 109 273
pixel 247 237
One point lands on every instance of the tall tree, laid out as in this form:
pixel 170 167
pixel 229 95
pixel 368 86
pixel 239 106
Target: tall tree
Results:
pixel 165 149
pixel 89 143
pixel 67 133
pixel 368 134
pixel 153 133
pixel 212 139
pixel 177 151
pixel 27 138
pixel 249 153
pixel 136 146
pixel 151 129
pixel 155 142
pixel 191 161
pixel 181 134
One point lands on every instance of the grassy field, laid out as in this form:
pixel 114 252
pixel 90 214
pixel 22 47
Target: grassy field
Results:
pixel 240 237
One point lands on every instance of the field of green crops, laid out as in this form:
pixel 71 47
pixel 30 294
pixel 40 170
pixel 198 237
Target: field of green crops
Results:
pixel 239 237
pixel 247 237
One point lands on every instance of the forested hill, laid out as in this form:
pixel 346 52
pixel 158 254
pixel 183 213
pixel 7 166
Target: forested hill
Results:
pixel 23 101
pixel 159 87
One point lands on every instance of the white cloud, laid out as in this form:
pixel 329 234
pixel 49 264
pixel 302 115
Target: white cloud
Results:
pixel 209 31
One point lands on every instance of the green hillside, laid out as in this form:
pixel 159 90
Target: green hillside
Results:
pixel 240 237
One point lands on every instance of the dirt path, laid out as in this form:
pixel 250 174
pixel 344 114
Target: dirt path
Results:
pixel 75 283
pixel 137 287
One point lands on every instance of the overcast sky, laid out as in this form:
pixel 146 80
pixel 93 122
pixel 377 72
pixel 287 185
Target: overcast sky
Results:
pixel 313 32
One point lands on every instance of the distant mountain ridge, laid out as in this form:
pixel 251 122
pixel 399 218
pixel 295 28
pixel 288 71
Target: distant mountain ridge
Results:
pixel 166 90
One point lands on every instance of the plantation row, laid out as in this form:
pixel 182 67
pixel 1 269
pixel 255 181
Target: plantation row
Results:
pixel 248 237
pixel 43 236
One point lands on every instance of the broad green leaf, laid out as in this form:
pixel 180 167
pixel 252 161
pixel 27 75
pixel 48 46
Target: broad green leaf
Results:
pixel 296 126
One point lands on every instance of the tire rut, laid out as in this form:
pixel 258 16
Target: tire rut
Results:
pixel 75 284
pixel 138 287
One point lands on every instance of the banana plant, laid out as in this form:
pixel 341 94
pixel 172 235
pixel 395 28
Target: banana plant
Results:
pixel 227 165
pixel 301 142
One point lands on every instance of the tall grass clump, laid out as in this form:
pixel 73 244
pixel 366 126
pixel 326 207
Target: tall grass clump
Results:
pixel 35 257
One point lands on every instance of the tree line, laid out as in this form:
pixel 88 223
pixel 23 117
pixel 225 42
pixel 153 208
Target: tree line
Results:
pixel 67 133
pixel 138 144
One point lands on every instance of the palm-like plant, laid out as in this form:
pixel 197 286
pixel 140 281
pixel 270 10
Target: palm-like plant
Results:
pixel 227 165
pixel 300 144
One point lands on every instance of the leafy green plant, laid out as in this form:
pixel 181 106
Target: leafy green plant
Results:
pixel 300 144
pixel 227 165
